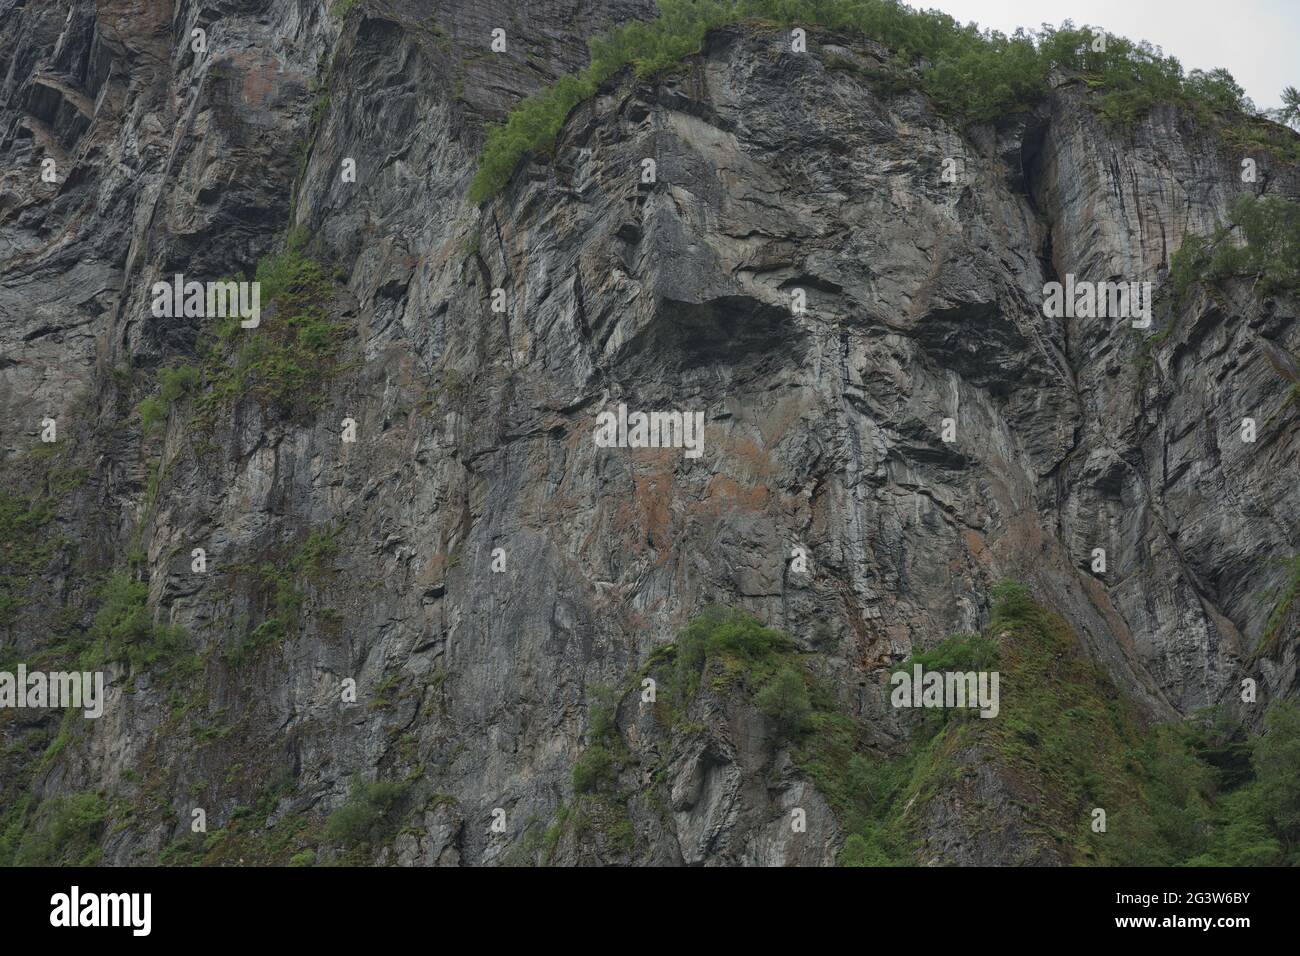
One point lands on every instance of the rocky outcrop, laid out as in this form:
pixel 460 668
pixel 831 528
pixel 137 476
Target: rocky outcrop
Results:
pixel 490 564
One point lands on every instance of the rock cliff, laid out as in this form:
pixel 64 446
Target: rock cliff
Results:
pixel 473 561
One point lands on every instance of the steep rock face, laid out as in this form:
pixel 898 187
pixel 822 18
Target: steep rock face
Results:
pixel 1160 468
pixel 491 564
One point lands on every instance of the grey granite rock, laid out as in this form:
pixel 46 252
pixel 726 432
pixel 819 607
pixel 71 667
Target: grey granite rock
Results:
pixel 475 428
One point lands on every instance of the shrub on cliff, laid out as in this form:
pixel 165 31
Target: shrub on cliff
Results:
pixel 785 699
pixel 124 629
pixel 64 831
pixel 594 770
pixel 368 813
pixel 1261 239
pixel 288 360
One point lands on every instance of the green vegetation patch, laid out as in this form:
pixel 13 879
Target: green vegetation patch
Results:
pixel 173 383
pixel 1269 248
pixel 282 579
pixel 596 769
pixel 124 630
pixel 877 797
pixel 369 816
pixel 1064 728
pixel 1253 134
pixel 26 548
pixel 63 831
pixel 286 361
pixel 727 647
pixel 1214 795
pixel 1200 792
pixel 28 543
pixel 1282 609
pixel 250 837
pixel 977 74
pixel 600 809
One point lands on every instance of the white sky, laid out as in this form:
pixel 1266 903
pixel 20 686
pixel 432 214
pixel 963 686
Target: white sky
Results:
pixel 1258 41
